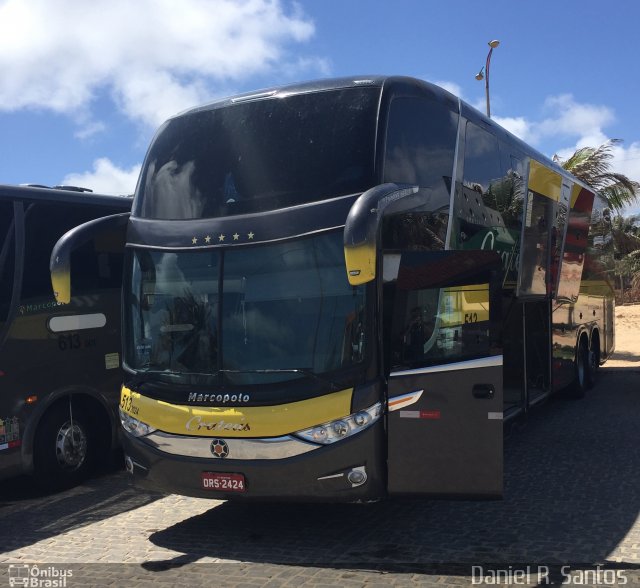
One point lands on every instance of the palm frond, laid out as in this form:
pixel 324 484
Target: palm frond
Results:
pixel 593 166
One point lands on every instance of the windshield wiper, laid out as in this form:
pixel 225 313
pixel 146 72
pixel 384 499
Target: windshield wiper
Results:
pixel 304 371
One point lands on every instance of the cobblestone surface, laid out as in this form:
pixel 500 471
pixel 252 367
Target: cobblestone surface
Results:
pixel 572 497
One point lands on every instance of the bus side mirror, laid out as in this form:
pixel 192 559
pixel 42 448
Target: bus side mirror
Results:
pixel 362 228
pixel 60 262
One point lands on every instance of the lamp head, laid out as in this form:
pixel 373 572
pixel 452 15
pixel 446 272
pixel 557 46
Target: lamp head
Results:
pixel 480 75
pixel 493 44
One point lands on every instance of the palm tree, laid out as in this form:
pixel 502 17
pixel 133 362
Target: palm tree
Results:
pixel 626 234
pixel 593 166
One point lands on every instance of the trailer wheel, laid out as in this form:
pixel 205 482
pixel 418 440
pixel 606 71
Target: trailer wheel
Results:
pixel 64 447
pixel 582 371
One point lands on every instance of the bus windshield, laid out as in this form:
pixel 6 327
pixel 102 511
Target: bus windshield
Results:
pixel 258 314
pixel 261 155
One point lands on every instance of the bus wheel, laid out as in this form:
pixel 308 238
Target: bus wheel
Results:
pixel 64 448
pixel 582 371
pixel 594 363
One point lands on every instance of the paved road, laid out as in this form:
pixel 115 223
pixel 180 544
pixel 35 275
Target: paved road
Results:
pixel 572 496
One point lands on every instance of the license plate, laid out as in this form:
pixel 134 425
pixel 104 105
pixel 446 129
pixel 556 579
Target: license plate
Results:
pixel 223 482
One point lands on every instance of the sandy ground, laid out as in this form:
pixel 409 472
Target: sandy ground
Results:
pixel 627 352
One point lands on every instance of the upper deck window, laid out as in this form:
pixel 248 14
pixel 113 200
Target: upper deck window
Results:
pixel 420 149
pixel 261 155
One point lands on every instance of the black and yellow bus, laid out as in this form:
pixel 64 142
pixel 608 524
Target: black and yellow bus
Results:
pixel 59 363
pixel 341 290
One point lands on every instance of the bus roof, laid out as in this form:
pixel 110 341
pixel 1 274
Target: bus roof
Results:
pixel 292 89
pixel 68 196
pixel 388 81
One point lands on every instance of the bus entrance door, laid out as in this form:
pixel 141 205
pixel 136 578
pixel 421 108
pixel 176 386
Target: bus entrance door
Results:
pixel 445 397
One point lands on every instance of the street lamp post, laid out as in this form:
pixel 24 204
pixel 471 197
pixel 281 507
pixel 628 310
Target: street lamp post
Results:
pixel 479 76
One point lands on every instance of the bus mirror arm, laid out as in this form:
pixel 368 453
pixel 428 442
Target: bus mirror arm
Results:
pixel 362 228
pixel 60 262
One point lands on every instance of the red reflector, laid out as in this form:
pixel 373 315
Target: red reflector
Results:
pixel 31 399
pixel 429 414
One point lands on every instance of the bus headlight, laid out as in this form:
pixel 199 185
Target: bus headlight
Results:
pixel 134 426
pixel 342 428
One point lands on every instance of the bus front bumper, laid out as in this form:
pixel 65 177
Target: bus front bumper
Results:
pixel 350 470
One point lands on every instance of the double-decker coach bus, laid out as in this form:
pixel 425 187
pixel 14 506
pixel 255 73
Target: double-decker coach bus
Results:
pixel 60 370
pixel 340 290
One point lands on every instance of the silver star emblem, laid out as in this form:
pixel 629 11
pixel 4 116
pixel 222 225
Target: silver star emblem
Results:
pixel 236 236
pixel 207 239
pixel 221 238
pixel 194 240
pixel 250 235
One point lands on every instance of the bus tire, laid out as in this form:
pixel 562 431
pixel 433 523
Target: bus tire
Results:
pixel 582 371
pixel 63 454
pixel 594 361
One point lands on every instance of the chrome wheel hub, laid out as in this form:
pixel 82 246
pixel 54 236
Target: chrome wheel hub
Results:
pixel 71 446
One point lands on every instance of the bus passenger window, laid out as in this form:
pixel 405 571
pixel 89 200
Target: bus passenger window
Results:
pixel 418 330
pixel 7 258
pixel 442 325
pixel 419 149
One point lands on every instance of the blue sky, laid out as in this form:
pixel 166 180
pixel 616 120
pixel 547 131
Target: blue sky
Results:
pixel 84 85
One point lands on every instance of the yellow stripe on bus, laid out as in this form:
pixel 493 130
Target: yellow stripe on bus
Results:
pixel 237 421
pixel 464 304
pixel 61 283
pixel 361 263
pixel 575 192
pixel 544 181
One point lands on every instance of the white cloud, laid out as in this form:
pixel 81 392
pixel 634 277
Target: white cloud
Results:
pixel 106 178
pixel 155 57
pixel 567 120
pixel 452 87
pixel 573 118
pixel 569 125
pixel 627 161
pixel 584 125
pixel 519 126
pixel 90 129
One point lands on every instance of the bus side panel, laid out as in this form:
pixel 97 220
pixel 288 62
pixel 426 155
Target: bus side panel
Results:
pixel 564 334
pixel 445 393
pixel 607 342
pixel 53 350
pixel 41 365
pixel 449 443
pixel 596 286
pixel 573 252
